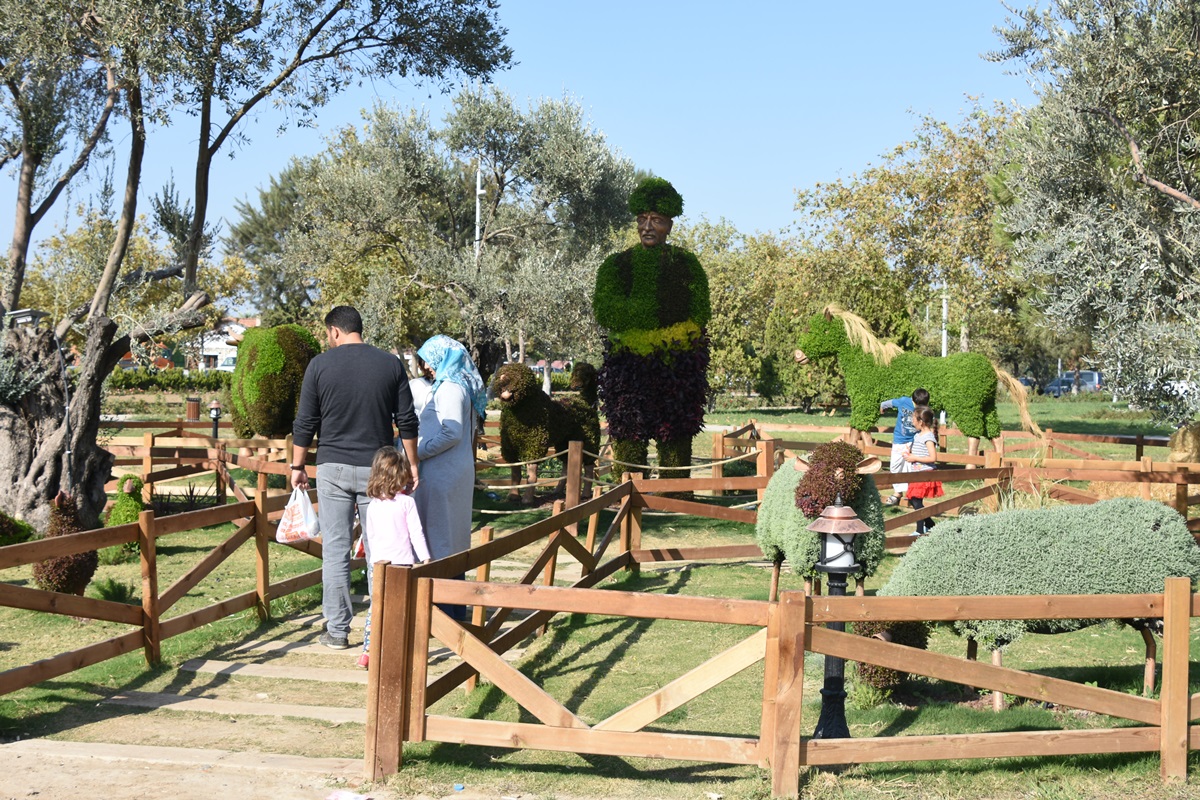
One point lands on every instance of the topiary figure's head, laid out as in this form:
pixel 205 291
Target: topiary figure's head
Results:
pixel 265 390
pixel 656 195
pixel 832 472
pixel 513 383
pixel 826 335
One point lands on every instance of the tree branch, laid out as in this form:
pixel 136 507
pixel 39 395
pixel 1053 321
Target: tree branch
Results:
pixel 1139 170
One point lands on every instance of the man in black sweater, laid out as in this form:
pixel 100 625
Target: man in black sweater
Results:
pixel 351 396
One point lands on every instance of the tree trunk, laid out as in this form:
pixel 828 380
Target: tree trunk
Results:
pixel 33 430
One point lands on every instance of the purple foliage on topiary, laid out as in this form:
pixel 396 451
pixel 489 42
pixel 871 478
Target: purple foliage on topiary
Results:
pixel 72 573
pixel 831 472
pixel 674 409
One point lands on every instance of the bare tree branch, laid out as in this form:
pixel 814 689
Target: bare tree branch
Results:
pixel 1139 170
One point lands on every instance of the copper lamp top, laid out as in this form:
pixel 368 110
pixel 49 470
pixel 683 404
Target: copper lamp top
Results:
pixel 840 520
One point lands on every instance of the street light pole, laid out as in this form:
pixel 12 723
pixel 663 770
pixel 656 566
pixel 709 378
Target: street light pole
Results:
pixel 838 525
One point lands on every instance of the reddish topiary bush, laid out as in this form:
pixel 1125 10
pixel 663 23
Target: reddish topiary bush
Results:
pixel 68 574
pixel 832 472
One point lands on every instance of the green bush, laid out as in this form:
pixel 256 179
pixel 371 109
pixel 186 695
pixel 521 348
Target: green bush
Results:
pixel 560 382
pixel 167 380
pixel 128 503
pixel 910 634
pixel 265 392
pixel 1121 546
pixel 14 531
pixel 782 528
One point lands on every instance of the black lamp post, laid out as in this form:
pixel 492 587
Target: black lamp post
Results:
pixel 838 525
pixel 214 412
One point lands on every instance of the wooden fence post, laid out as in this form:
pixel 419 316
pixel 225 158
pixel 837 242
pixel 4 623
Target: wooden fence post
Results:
pixel 593 522
pixel 151 639
pixel 574 480
pixel 1048 442
pixel 1139 447
pixel 262 557
pixel 1147 466
pixel 478 612
pixel 765 466
pixel 791 617
pixel 147 466
pixel 388 686
pixel 1181 494
pixel 718 455
pixel 991 460
pixel 1173 737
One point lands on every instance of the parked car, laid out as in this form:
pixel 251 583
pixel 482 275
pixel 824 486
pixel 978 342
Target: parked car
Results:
pixel 1030 384
pixel 228 364
pixel 1089 381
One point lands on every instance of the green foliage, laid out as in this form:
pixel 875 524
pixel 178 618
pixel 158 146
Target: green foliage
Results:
pixel 657 195
pixel 167 380
pixel 126 507
pixel 116 591
pixel 265 392
pixel 15 380
pixel 68 574
pixel 1122 546
pixel 963 384
pixel 1100 184
pixel 831 474
pixel 14 531
pixel 782 528
pixel 644 289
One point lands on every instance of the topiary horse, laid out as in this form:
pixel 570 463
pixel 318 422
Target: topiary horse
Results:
pixel 963 384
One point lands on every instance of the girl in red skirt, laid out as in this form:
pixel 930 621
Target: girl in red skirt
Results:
pixel 921 456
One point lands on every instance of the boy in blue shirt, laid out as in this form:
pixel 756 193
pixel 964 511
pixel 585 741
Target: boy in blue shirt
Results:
pixel 902 436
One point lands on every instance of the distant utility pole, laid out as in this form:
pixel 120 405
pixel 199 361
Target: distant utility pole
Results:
pixel 478 194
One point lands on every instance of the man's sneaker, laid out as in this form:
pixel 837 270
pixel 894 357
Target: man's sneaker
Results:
pixel 333 642
pixel 364 661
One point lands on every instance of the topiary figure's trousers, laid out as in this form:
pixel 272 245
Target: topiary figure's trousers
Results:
pixel 657 396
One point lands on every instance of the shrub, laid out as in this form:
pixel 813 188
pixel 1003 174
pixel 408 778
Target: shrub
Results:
pixel 68 574
pixel 14 531
pixel 1122 546
pixel 128 503
pixel 782 528
pixel 167 380
pixel 265 391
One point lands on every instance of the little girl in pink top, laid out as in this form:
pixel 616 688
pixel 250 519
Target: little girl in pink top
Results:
pixel 392 527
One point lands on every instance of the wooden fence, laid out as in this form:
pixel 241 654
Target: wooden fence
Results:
pixel 779 635
pixel 151 623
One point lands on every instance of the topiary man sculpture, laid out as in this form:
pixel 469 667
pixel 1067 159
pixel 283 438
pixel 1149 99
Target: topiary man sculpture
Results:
pixel 69 574
pixel 652 301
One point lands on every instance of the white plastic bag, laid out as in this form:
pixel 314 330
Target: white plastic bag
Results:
pixel 299 520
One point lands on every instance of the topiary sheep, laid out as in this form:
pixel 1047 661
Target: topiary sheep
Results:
pixel 531 422
pixel 1121 546
pixel 798 493
pixel 128 503
pixel 68 574
pixel 265 390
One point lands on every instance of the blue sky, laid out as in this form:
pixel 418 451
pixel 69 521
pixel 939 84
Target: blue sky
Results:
pixel 738 104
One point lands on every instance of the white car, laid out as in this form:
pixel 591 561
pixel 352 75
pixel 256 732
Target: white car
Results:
pixel 228 364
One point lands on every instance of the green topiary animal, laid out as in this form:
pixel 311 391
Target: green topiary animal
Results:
pixel 962 384
pixel 1121 546
pixel 14 531
pixel 265 391
pixel 783 519
pixel 531 423
pixel 128 503
pixel 68 574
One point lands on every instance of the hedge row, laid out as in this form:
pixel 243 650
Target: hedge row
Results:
pixel 168 380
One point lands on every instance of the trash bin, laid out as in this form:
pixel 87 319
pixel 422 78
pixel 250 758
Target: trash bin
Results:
pixel 193 409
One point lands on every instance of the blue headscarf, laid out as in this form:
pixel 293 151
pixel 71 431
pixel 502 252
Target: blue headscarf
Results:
pixel 450 362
